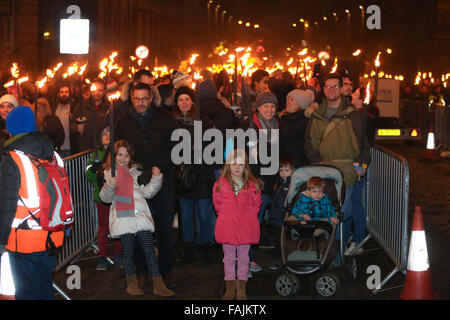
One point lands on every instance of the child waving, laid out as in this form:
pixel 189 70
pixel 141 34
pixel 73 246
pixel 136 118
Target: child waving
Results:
pixel 130 217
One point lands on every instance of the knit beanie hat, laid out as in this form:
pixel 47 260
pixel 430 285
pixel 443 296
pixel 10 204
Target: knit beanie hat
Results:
pixel 181 79
pixel 266 97
pixel 206 90
pixel 20 120
pixel 303 97
pixel 10 99
pixel 184 90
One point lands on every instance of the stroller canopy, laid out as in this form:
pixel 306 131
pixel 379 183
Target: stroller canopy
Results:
pixel 301 175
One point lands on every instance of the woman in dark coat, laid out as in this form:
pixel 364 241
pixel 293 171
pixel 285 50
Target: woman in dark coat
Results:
pixel 197 196
pixel 293 124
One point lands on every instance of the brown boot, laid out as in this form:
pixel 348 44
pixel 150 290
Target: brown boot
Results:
pixel 132 286
pixel 142 279
pixel 230 293
pixel 241 293
pixel 160 289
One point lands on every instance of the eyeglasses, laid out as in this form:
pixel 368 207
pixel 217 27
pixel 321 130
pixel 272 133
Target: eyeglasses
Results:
pixel 332 87
pixel 144 100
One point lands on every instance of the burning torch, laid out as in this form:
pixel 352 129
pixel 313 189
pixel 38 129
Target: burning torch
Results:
pixel 112 98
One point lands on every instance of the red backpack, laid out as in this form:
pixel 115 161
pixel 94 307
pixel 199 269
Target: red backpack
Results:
pixel 55 200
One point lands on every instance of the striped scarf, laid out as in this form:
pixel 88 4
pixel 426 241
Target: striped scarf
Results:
pixel 123 195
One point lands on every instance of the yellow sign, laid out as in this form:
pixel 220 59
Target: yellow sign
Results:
pixel 389 132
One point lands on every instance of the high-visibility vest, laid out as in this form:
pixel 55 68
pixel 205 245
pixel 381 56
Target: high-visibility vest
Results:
pixel 33 238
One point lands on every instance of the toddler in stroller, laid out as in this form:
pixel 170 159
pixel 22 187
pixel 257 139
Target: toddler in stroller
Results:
pixel 308 242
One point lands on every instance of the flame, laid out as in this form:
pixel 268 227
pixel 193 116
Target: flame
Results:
pixel 93 87
pixel 377 60
pixel 9 84
pixel 367 99
pixel 82 69
pixel 333 70
pixel 21 80
pixel 303 52
pixel 114 96
pixel 41 83
pixel 290 61
pixel 15 70
pixel 51 72
pixel 193 57
pixel 197 76
pixel 356 53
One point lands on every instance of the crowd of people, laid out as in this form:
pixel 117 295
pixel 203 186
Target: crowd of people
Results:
pixel 217 205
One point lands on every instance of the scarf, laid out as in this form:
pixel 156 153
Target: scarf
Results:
pixel 123 195
pixel 269 124
pixel 141 119
pixel 185 119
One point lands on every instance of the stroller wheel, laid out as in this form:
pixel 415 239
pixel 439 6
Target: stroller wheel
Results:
pixel 287 284
pixel 327 285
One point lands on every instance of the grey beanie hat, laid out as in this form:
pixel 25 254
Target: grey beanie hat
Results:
pixel 303 97
pixel 266 97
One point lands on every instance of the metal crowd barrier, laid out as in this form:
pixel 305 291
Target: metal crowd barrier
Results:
pixel 441 127
pixel 386 204
pixel 84 231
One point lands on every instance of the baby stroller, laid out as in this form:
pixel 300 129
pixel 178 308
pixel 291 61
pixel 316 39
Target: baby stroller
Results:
pixel 309 247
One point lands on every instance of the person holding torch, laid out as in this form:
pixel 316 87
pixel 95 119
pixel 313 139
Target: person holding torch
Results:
pixel 90 116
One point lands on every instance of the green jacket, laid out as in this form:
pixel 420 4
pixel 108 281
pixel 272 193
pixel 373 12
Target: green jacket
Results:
pixel 91 176
pixel 337 141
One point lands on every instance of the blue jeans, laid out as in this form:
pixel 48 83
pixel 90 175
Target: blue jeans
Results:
pixel 203 219
pixel 354 213
pixel 265 202
pixel 33 275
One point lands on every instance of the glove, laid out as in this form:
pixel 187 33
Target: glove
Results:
pixel 144 178
pixel 95 166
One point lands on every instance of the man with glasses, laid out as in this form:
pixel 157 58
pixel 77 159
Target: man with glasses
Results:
pixel 149 128
pixel 82 119
pixel 335 136
pixel 124 104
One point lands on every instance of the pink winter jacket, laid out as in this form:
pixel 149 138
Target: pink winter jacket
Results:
pixel 237 216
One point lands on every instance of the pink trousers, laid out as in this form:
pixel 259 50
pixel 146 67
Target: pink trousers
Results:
pixel 233 255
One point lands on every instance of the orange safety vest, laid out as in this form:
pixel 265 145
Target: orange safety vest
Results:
pixel 33 239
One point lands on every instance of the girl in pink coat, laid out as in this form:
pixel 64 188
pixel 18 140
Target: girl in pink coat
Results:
pixel 237 199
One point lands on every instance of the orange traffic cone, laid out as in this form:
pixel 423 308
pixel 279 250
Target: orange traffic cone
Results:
pixel 430 153
pixel 418 282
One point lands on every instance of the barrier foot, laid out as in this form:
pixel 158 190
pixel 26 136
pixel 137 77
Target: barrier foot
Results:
pixel 94 246
pixel 60 292
pixel 385 280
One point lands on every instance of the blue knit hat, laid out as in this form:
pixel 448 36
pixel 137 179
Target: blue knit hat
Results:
pixel 21 119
